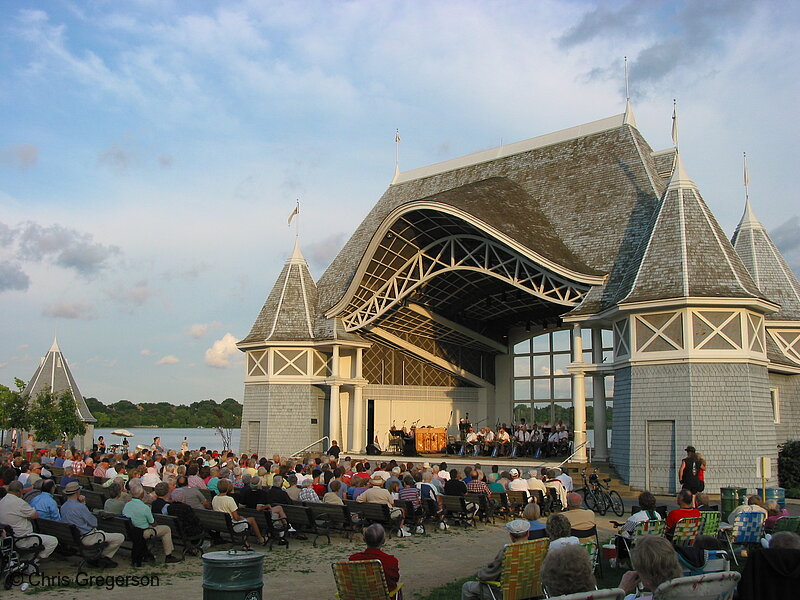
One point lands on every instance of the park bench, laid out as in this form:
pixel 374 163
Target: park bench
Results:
pixel 179 536
pixel 485 507
pixel 69 540
pixel 270 528
pixel 222 524
pixel 336 517
pixel 94 500
pixel 372 512
pixel 517 500
pixel 414 517
pixel 455 508
pixel 302 520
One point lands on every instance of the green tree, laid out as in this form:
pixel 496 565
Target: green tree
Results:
pixel 14 410
pixel 43 421
pixel 67 416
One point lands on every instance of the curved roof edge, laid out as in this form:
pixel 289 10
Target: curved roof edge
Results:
pixel 392 217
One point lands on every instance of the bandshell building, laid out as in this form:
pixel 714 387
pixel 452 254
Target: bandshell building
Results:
pixel 576 276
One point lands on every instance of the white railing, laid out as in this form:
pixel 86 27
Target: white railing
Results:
pixel 299 452
pixel 588 454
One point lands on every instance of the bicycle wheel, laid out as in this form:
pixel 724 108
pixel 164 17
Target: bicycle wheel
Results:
pixel 590 500
pixel 603 502
pixel 616 503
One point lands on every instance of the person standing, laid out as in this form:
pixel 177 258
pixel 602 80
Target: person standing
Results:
pixel 689 472
pixel 29 446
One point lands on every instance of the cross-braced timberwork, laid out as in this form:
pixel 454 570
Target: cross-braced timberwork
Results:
pixel 788 341
pixel 464 252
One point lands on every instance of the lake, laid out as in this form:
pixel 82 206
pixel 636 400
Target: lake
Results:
pixel 171 438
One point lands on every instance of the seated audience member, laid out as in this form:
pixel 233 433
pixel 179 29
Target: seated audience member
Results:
pixel 536 484
pixel 222 502
pixel 67 477
pixel 44 503
pixel 150 478
pixel 478 590
pixel 752 504
pixel 559 530
pixel 775 512
pixel 307 493
pixel 533 513
pixel 567 570
pixel 17 514
pixel 647 512
pixel 454 486
pixel 702 502
pixel 565 479
pixel 380 495
pixel 74 511
pixel 374 537
pixel 552 483
pixel 189 495
pixel 160 504
pixel 654 561
pixel 787 540
pixel 517 484
pixel 292 491
pixel 142 518
pixel 115 502
pixel 332 497
pixel 685 510
pixel 580 518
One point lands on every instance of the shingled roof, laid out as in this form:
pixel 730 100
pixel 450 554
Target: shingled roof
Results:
pixel 595 187
pixel 687 253
pixel 54 374
pixel 769 269
pixel 290 310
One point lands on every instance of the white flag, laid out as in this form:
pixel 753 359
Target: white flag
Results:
pixel 674 125
pixel 746 174
pixel 397 136
pixel 295 212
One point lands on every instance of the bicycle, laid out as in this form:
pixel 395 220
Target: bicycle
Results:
pixel 598 497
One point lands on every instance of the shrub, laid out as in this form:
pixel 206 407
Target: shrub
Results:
pixel 793 493
pixel 789 465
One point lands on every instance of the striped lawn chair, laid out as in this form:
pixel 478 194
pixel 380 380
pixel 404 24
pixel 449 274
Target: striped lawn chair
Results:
pixel 643 529
pixel 685 532
pixel 710 522
pixel 521 578
pixel 713 586
pixel 747 529
pixel 362 580
pixel 610 594
pixel 594 554
pixel 786 524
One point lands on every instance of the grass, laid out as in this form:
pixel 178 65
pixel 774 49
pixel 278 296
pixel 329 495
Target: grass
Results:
pixel 450 591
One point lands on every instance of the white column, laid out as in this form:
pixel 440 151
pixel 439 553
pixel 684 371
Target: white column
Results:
pixel 359 363
pixel 578 394
pixel 333 415
pixel 358 444
pixel 599 398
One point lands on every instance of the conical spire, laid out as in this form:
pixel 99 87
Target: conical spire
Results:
pixel 290 309
pixel 54 374
pixel 766 264
pixel 629 118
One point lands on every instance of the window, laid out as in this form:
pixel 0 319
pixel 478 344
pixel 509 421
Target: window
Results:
pixel 775 399
pixel 542 383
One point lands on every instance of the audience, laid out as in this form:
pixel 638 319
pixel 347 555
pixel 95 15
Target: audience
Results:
pixel 567 570
pixel 559 531
pixel 654 561
pixel 685 510
pixel 474 590
pixel 374 538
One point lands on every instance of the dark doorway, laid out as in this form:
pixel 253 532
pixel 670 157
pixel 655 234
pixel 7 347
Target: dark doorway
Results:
pixel 370 422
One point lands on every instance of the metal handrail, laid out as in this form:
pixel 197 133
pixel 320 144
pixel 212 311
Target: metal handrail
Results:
pixel 299 452
pixel 566 460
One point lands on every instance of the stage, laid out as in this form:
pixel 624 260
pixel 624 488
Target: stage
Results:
pixel 455 462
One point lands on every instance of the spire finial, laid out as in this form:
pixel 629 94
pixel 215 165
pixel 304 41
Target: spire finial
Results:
pixel 629 119
pixel 749 217
pixel 675 124
pixel 54 347
pixel 292 215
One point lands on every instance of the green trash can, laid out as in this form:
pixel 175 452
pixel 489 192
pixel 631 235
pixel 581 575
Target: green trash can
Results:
pixel 233 575
pixel 731 498
pixel 777 494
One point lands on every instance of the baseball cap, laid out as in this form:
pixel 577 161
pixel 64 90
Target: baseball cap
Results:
pixel 517 526
pixel 514 472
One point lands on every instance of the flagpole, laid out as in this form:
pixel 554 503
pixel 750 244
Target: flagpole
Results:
pixel 746 179
pixel 675 124
pixel 297 221
pixel 397 149
pixel 627 88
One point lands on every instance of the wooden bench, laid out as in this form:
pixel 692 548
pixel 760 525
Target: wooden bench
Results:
pixel 114 524
pixel 455 508
pixel 83 480
pixel 222 524
pixel 208 494
pixel 58 472
pixel 94 500
pixel 191 544
pixel 335 516
pixel 372 512
pixel 266 524
pixel 301 519
pixel 69 540
pixel 517 500
pixel 485 507
pixel 99 489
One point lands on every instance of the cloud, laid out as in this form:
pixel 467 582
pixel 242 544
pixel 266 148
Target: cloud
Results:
pixel 117 158
pixel 787 238
pixel 322 252
pixel 185 273
pixel 66 247
pixel 12 277
pixel 21 156
pixel 169 359
pixel 165 161
pixel 105 362
pixel 601 21
pixel 131 297
pixel 145 352
pixel 70 310
pixel 198 330
pixel 218 355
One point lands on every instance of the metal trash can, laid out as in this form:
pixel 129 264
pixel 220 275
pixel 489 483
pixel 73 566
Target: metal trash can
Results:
pixel 731 498
pixel 233 575
pixel 777 494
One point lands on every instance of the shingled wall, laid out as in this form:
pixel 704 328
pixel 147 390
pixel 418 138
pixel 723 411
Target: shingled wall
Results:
pixel 723 409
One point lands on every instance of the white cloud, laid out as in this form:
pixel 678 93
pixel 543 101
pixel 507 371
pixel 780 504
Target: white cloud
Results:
pixel 219 354
pixel 145 352
pixel 131 297
pixel 70 310
pixel 198 330
pixel 169 359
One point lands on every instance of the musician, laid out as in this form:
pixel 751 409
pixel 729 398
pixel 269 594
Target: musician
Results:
pixel 488 440
pixel 410 441
pixel 504 440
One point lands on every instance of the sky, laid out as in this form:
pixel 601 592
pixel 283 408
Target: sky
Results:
pixel 152 150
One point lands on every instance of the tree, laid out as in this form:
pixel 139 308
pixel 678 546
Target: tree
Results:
pixel 225 424
pixel 14 410
pixel 55 416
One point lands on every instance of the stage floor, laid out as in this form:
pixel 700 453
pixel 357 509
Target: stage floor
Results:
pixel 504 462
